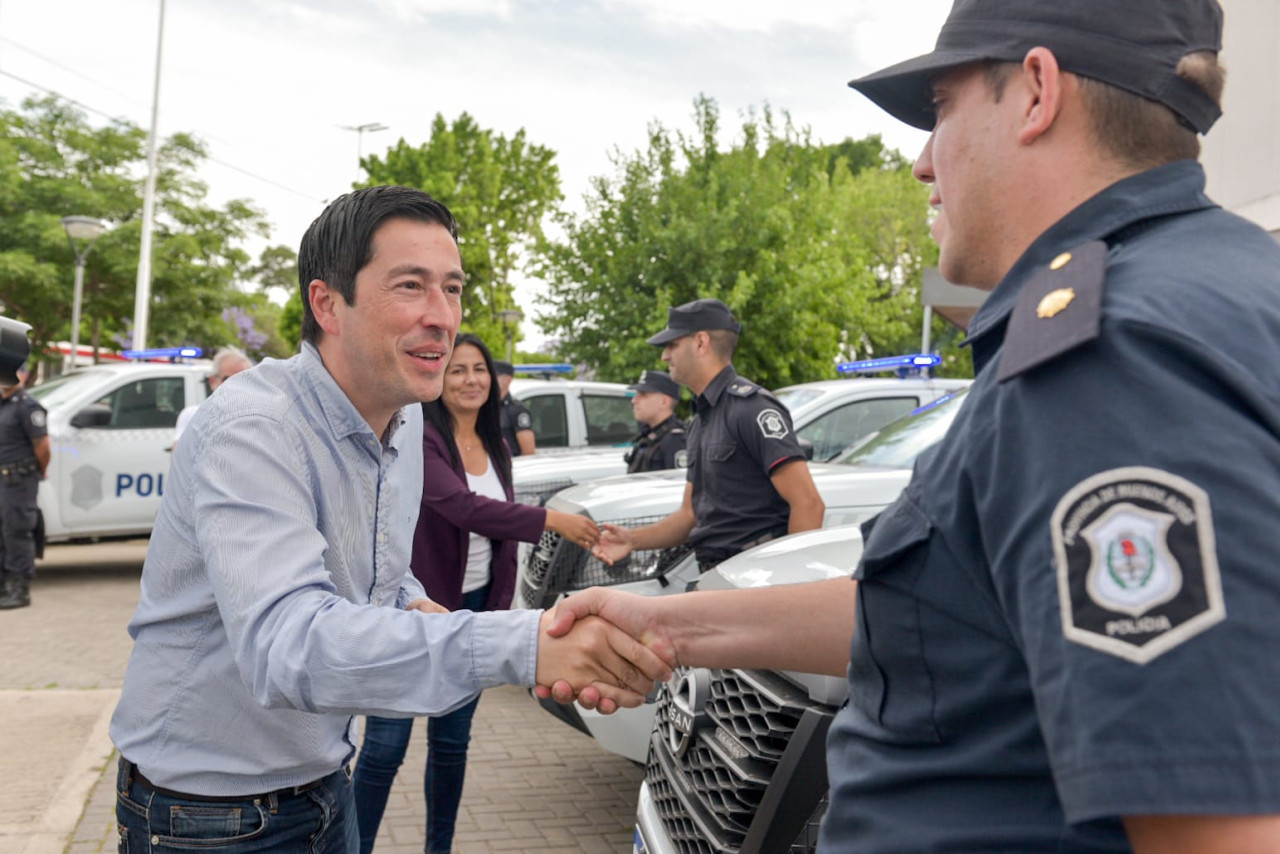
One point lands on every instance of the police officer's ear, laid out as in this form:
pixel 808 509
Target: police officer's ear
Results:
pixel 324 303
pixel 702 342
pixel 1040 83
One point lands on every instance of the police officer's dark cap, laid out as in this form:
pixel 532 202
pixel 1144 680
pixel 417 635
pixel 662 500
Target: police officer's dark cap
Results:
pixel 659 381
pixel 504 369
pixel 1132 46
pixel 697 316
pixel 14 349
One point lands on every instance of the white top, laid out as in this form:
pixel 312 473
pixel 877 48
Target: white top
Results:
pixel 480 550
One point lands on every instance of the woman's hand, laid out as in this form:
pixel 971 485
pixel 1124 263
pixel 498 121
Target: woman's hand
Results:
pixel 578 530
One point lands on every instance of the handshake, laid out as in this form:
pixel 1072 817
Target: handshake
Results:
pixel 604 649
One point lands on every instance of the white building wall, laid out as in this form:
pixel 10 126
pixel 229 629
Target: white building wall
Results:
pixel 1242 151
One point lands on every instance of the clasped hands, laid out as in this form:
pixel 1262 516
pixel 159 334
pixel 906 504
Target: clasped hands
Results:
pixel 604 649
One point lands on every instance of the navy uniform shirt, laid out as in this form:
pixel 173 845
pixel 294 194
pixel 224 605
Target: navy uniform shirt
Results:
pixel 514 418
pixel 1071 613
pixel 740 436
pixel 657 447
pixel 22 423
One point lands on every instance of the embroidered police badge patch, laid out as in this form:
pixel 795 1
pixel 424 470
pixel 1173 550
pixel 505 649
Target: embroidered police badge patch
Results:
pixel 1136 561
pixel 772 424
pixel 37 418
pixel 524 422
pixel 682 459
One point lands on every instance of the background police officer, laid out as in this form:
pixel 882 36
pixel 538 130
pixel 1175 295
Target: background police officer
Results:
pixel 1065 629
pixel 662 435
pixel 748 479
pixel 517 423
pixel 24 456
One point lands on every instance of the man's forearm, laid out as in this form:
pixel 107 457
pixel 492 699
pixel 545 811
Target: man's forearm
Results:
pixel 806 515
pixel 663 534
pixel 805 627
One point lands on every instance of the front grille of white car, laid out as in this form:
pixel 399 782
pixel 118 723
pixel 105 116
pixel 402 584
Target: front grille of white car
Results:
pixel 554 566
pixel 744 770
pixel 537 492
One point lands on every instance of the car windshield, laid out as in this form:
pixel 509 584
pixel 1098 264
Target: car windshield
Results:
pixel 896 445
pixel 51 394
pixel 794 398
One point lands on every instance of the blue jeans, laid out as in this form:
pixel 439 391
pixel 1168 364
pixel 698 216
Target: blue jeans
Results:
pixel 317 821
pixel 382 753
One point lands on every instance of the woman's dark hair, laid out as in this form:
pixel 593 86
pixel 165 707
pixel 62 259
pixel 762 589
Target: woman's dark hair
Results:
pixel 488 420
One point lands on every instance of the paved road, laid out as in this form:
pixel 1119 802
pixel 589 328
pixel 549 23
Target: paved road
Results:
pixel 532 783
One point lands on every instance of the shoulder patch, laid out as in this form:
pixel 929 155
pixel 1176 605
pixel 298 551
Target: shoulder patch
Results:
pixel 772 424
pixel 682 459
pixel 742 388
pixel 37 417
pixel 524 421
pixel 1136 561
pixel 1058 309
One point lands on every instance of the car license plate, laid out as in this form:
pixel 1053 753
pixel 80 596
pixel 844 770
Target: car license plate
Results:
pixel 638 845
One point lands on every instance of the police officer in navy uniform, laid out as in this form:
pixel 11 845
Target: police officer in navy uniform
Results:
pixel 517 423
pixel 660 444
pixel 1066 628
pixel 24 457
pixel 748 479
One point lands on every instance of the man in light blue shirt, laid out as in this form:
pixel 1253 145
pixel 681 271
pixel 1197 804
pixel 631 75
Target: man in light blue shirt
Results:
pixel 288 520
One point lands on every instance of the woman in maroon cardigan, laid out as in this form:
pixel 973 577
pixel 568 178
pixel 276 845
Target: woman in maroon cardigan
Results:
pixel 464 553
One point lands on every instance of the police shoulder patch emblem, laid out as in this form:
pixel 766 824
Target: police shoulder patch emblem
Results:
pixel 772 424
pixel 37 417
pixel 1136 561
pixel 682 459
pixel 524 421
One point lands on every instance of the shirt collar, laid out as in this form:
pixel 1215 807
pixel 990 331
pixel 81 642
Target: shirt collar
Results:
pixel 341 414
pixel 711 394
pixel 1173 188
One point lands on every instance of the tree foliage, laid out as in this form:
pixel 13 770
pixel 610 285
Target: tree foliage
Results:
pixel 817 249
pixel 500 190
pixel 54 164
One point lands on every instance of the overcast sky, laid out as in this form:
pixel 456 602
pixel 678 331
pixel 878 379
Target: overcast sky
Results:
pixel 270 84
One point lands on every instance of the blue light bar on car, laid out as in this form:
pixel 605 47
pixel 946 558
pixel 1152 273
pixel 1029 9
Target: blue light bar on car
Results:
pixel 890 363
pixel 165 353
pixel 543 369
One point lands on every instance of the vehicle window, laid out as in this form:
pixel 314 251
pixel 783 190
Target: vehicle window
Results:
pixel 550 421
pixel 610 420
pixel 51 394
pixel 898 444
pixel 836 430
pixel 794 398
pixel 144 404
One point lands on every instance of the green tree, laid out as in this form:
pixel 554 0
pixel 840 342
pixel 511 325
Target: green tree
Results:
pixel 52 164
pixel 500 190
pixel 818 249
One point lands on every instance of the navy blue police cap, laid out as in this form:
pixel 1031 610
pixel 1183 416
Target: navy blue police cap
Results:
pixel 1132 46
pixel 659 381
pixel 504 368
pixel 697 316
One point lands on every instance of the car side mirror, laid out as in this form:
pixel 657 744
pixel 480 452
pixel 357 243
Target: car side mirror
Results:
pixel 93 415
pixel 807 447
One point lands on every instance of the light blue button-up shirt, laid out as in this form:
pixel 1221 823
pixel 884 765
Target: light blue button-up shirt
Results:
pixel 284 519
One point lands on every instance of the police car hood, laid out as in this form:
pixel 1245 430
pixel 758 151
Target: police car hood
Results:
pixel 571 466
pixel 811 556
pixel 851 493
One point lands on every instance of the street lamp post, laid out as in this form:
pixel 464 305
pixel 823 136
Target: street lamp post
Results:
pixel 360 131
pixel 510 317
pixel 84 230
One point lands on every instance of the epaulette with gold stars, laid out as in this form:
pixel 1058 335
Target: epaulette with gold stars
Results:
pixel 742 388
pixel 1058 309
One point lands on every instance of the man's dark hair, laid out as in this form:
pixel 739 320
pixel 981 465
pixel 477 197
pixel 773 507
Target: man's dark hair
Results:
pixel 1134 131
pixel 488 420
pixel 340 241
pixel 723 342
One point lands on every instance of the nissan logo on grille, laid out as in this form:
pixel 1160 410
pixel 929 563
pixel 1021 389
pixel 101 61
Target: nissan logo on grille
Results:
pixel 687 712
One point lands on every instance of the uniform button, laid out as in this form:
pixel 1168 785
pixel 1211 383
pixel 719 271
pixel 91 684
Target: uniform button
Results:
pixel 155 840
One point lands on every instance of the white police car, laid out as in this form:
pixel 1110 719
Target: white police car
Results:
pixel 856 486
pixel 110 429
pixel 829 415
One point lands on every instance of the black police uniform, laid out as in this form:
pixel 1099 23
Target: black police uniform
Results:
pixel 739 437
pixel 657 447
pixel 514 418
pixel 22 423
pixel 1070 615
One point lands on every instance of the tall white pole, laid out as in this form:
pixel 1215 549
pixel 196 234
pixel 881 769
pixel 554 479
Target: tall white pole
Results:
pixel 142 293
pixel 73 361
